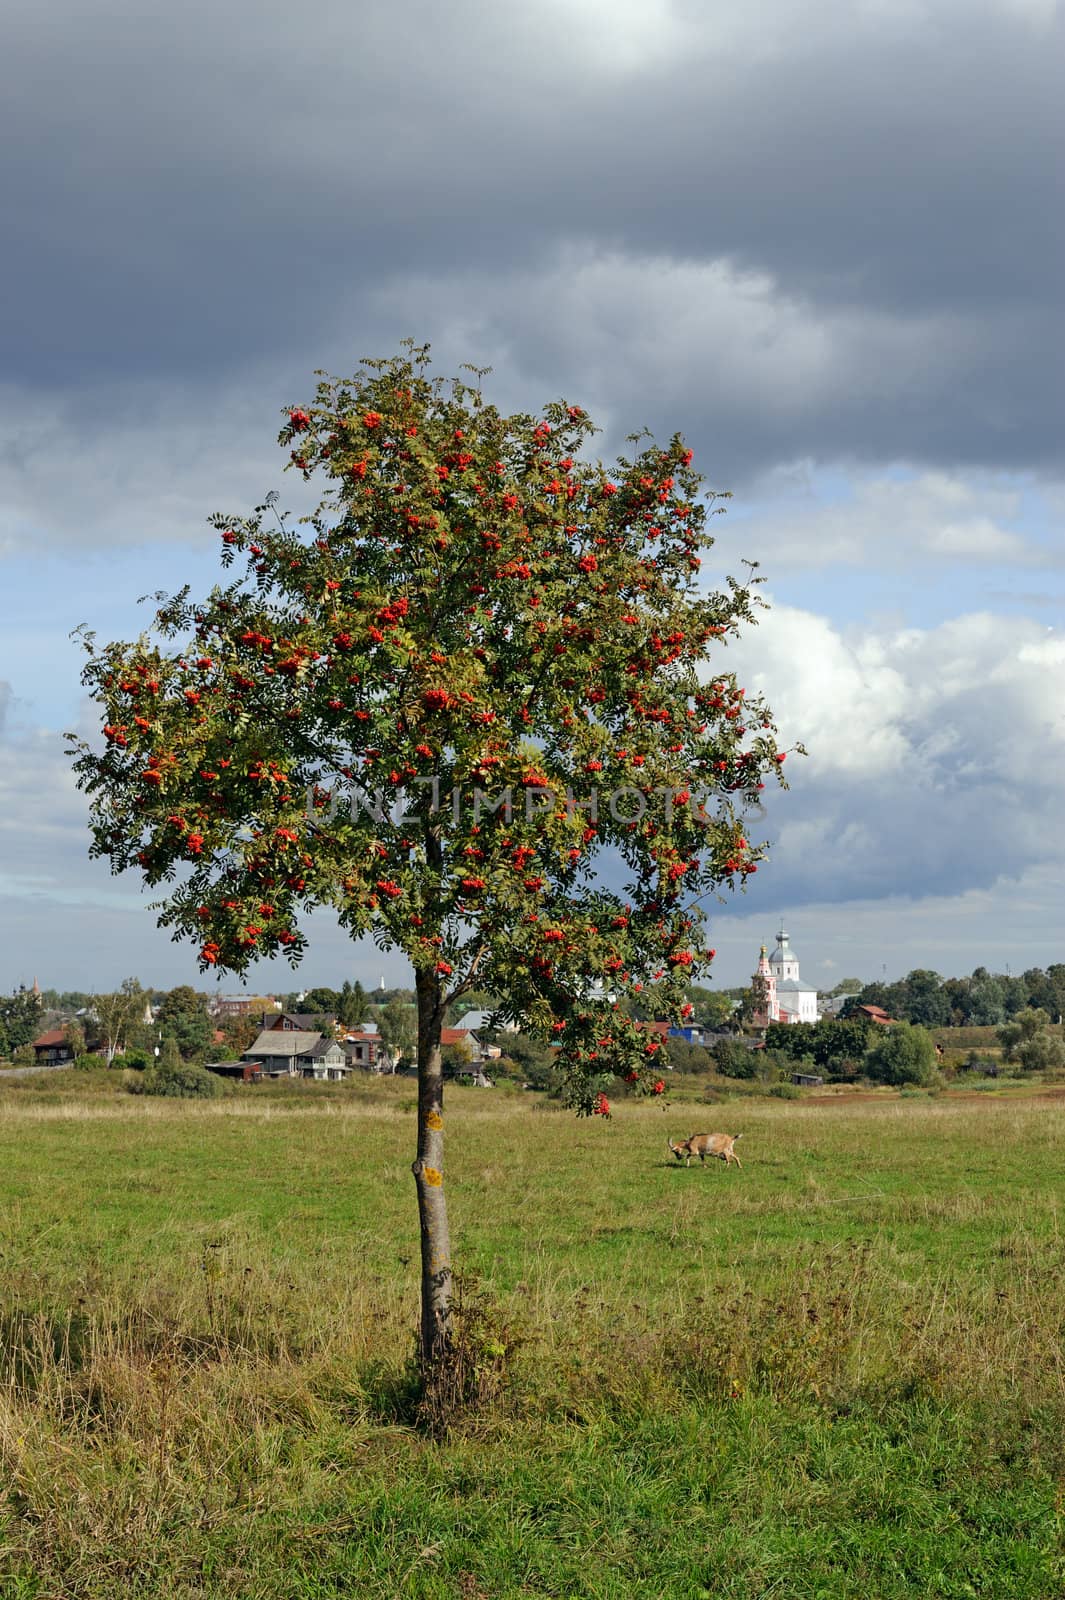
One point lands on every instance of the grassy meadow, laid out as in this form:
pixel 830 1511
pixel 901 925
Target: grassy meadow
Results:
pixel 837 1372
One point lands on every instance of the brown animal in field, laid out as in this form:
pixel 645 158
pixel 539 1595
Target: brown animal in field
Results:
pixel 707 1144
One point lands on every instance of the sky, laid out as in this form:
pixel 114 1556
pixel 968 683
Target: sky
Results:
pixel 826 243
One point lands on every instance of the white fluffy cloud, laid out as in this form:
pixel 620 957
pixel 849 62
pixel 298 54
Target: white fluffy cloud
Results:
pixel 936 757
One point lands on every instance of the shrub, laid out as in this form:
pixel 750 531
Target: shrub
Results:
pixel 530 1060
pixel 133 1060
pixel 903 1053
pixel 91 1063
pixel 783 1091
pixel 186 1081
pixel 734 1060
pixel 685 1057
pixel 1044 1052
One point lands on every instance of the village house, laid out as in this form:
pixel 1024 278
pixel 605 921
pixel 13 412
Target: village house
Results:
pixel 288 1053
pixel 875 1014
pixel 327 1062
pixel 364 1049
pixel 225 1006
pixel 298 1022
pixel 474 1021
pixel 52 1049
pixel 467 1042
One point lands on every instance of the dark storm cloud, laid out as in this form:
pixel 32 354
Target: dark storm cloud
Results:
pixel 193 193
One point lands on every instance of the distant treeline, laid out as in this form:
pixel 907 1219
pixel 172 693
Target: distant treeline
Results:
pixel 986 999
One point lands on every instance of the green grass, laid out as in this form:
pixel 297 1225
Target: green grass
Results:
pixel 839 1372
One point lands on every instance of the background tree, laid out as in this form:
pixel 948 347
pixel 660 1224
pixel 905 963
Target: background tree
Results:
pixel 531 1060
pixel 65 1000
pixel 753 1004
pixel 1028 1040
pixel 1055 975
pixel 476 605
pixel 872 994
pixel 1043 1052
pixel 183 1017
pixel 238 1035
pixel 831 1044
pixel 118 1016
pixel 903 1054
pixel 734 1059
pixel 1040 991
pixel 397 1025
pixel 986 1006
pixel 685 1057
pixel 924 1001
pixel 1014 995
pixel 169 1058
pixel 321 1002
pixel 711 1008
pixel 352 1005
pixel 74 1034
pixel 20 1020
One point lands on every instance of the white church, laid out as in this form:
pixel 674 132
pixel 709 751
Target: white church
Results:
pixel 788 999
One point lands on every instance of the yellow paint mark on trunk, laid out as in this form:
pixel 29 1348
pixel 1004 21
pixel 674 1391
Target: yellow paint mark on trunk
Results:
pixel 434 1120
pixel 432 1177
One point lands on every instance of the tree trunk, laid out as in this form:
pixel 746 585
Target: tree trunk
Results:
pixel 428 1169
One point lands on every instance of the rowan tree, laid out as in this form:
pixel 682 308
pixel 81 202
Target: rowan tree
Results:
pixel 471 703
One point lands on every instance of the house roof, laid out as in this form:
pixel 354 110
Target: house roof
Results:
pixel 877 1013
pixel 323 1047
pixel 471 1020
pixel 308 1021
pixel 297 1043
pixel 456 1036
pixel 48 1040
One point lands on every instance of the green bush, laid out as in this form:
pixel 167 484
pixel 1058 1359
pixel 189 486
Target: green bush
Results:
pixel 91 1063
pixel 529 1060
pixel 185 1081
pixel 685 1057
pixel 783 1091
pixel 903 1053
pixel 1043 1052
pixel 734 1060
pixel 133 1060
